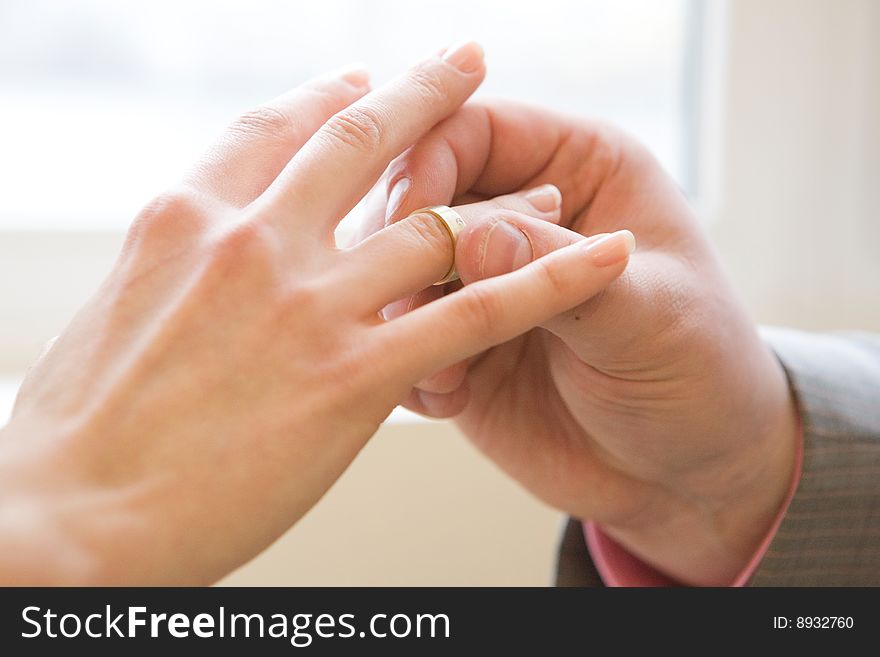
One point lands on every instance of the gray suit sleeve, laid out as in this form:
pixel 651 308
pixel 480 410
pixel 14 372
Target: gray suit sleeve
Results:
pixel 830 535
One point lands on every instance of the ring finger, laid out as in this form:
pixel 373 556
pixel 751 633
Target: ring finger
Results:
pixel 418 251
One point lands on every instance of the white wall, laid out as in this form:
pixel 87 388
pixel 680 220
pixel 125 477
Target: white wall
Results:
pixel 419 506
pixel 798 225
pixel 44 278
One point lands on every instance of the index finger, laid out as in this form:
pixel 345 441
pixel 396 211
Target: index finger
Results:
pixel 355 146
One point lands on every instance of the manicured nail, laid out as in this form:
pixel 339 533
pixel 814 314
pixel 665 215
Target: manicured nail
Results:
pixel 505 249
pixel 356 75
pixel 545 198
pixel 396 197
pixel 611 249
pixel 592 239
pixel 466 56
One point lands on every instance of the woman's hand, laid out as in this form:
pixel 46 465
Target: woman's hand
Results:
pixel 653 408
pixel 235 361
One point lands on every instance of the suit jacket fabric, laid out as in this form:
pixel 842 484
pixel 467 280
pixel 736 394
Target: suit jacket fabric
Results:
pixel 830 535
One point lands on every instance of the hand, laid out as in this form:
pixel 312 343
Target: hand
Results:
pixel 652 408
pixel 234 362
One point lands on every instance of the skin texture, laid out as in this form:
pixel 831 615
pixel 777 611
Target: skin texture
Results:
pixel 653 408
pixel 234 362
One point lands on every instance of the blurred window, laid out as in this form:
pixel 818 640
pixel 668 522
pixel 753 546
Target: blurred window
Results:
pixel 103 104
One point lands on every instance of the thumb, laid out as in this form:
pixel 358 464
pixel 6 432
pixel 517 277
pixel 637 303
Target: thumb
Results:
pixel 500 246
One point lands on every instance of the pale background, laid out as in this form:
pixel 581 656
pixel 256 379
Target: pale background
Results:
pixel 765 111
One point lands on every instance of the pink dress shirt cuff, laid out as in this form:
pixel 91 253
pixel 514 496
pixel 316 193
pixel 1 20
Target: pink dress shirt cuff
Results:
pixel 617 567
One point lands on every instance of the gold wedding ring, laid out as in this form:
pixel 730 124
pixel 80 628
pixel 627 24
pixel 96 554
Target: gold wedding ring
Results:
pixel 454 224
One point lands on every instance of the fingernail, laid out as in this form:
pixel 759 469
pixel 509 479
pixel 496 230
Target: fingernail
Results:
pixel 396 197
pixel 434 403
pixel 356 75
pixel 611 249
pixel 466 56
pixel 396 308
pixel 592 239
pixel 506 248
pixel 545 198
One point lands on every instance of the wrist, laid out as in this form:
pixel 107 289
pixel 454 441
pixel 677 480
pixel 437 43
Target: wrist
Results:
pixel 748 522
pixel 709 532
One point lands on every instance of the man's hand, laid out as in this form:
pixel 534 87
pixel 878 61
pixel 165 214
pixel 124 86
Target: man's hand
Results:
pixel 653 408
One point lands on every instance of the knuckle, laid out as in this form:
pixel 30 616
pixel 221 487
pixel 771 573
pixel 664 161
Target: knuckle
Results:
pixel 247 245
pixel 358 126
pixel 557 284
pixel 170 215
pixel 482 309
pixel 431 83
pixel 177 204
pixel 428 231
pixel 601 146
pixel 305 299
pixel 265 121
